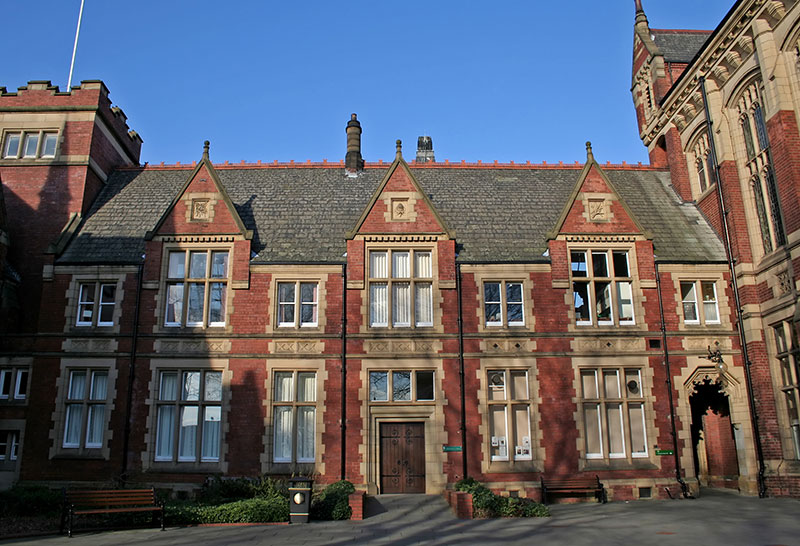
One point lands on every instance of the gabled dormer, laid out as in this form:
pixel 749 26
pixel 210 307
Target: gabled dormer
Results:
pixel 401 253
pixel 198 251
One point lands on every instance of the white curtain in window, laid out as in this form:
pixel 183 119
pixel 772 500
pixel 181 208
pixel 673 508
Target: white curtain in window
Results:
pixel 99 386
pixel 616 435
pixel 401 265
pixel 378 265
pixel 378 304
pixel 625 296
pixel 72 427
pixel 424 304
pixel 283 386
pixel 423 265
pixel 638 436
pixel 305 433
pixel 95 425
pixel 165 432
pixel 591 418
pixel 211 428
pixel 187 440
pixel 710 302
pixel 401 304
pixel 283 434
pixel 77 385
pixel 177 265
pixel 169 386
pixel 306 387
pixel 174 311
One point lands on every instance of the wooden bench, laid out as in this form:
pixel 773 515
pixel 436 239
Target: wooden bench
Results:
pixel 109 501
pixel 573 486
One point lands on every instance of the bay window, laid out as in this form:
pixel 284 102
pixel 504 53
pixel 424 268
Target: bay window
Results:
pixel 196 288
pixel 400 288
pixel 602 287
pixel 294 414
pixel 788 355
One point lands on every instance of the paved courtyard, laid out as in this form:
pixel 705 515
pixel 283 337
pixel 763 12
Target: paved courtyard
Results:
pixel 716 519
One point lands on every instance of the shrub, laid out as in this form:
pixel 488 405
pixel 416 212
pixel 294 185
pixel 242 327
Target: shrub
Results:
pixel 27 500
pixel 486 504
pixel 333 503
pixel 218 490
pixel 255 510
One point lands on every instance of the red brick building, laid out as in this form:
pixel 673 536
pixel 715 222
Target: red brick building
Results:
pixel 399 325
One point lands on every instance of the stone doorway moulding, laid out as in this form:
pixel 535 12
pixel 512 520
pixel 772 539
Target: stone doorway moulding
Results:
pixel 402 457
pixel 698 372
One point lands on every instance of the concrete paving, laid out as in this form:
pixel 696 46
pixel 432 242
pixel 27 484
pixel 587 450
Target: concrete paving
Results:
pixel 715 519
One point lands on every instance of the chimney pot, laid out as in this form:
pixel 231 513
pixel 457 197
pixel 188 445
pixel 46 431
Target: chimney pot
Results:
pixel 353 161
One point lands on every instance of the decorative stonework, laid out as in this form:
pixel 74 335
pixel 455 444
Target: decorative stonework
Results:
pixel 403 346
pixel 200 206
pixel 507 345
pixel 400 206
pixel 295 347
pixel 201 210
pixel 784 283
pixel 608 344
pixel 400 210
pixel 597 210
pixel 89 345
pixel 196 346
pixel 703 343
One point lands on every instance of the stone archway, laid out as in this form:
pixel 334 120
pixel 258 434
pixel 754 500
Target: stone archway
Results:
pixel 713 438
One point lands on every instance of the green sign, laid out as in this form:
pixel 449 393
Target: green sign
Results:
pixel 664 452
pixel 451 448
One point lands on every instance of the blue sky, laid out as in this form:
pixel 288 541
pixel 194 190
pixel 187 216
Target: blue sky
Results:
pixel 268 80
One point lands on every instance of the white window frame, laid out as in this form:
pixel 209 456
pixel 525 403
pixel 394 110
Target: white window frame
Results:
pixel 614 282
pixel 297 304
pixel 382 287
pixel 504 303
pixel 23 137
pixel 699 303
pixel 9 447
pixel 504 396
pixel 295 406
pixel 96 305
pixel 186 281
pixel 390 377
pixel 15 381
pixel 787 352
pixel 87 403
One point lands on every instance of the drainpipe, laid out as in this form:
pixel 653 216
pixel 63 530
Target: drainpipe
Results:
pixel 723 214
pixel 126 438
pixel 464 469
pixel 684 487
pixel 343 471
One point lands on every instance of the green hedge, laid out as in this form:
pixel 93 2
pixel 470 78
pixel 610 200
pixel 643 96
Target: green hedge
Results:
pixel 256 510
pixel 333 503
pixel 218 490
pixel 27 500
pixel 486 504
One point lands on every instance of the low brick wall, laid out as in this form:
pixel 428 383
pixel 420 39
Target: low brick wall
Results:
pixel 356 501
pixel 460 502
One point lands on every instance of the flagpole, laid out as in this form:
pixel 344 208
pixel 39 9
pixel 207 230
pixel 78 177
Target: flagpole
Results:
pixel 75 47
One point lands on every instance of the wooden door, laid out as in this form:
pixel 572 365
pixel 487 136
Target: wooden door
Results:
pixel 402 457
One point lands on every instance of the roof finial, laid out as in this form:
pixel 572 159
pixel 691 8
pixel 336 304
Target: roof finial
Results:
pixel 206 146
pixel 399 154
pixel 589 154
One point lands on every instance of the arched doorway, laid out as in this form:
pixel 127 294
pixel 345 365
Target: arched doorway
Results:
pixel 713 435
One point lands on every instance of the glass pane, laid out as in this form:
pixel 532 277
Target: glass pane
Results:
pixel 191 386
pixel 591 419
pixel 578 264
pixel 633 384
pixel 213 387
pixel 72 426
pixel 283 386
pixel 219 264
pixel 620 264
pixel 378 265
pixel 177 265
pixel 401 304
pixel 580 294
pixel 497 385
pixel 780 338
pixel 514 292
pixel 21 388
pixel 217 299
pixel 423 267
pixel 519 385
pixel 423 308
pixel 187 441
pixel 522 433
pixel 77 385
pixel 514 303
pixel 401 386
pixel 625 299
pixel 492 303
pixel 87 293
pixel 379 304
pixel 99 386
pixel 282 448
pixel 589 382
pixel 165 432
pixel 378 386
pixel 49 145
pixel 710 301
pixel 638 438
pixel 196 296
pixel 5 383
pixel 600 264
pixel 286 292
pixel 107 295
pixel 499 439
pixel 306 387
pixel 424 385
pixel 12 145
pixel 603 304
pixel 748 138
pixel 306 418
pixel 197 267
pixel 174 310
pixel 616 441
pixel 211 429
pixel 308 292
pixel 308 307
pixel 689 298
pixel 401 265
pixel 95 425
pixel 169 386
pixel 31 143
pixel 611 383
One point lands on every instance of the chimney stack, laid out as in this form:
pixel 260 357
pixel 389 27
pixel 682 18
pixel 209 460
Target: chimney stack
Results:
pixel 425 150
pixel 353 161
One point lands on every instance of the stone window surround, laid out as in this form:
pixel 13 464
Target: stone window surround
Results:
pixel 16 365
pixel 693 273
pixel 651 430
pixel 294 365
pixel 785 430
pixel 536 463
pixel 213 244
pixel 104 275
pixel 12 465
pixel 505 272
pixel 58 416
pixel 147 456
pixel 26 128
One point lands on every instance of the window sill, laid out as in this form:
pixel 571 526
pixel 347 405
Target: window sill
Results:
pixel 504 467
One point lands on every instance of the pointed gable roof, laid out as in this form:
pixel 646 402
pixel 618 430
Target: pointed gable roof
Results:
pixel 194 180
pixel 399 177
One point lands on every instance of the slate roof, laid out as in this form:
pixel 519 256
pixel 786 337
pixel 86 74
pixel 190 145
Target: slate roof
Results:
pixel 301 215
pixel 679 46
